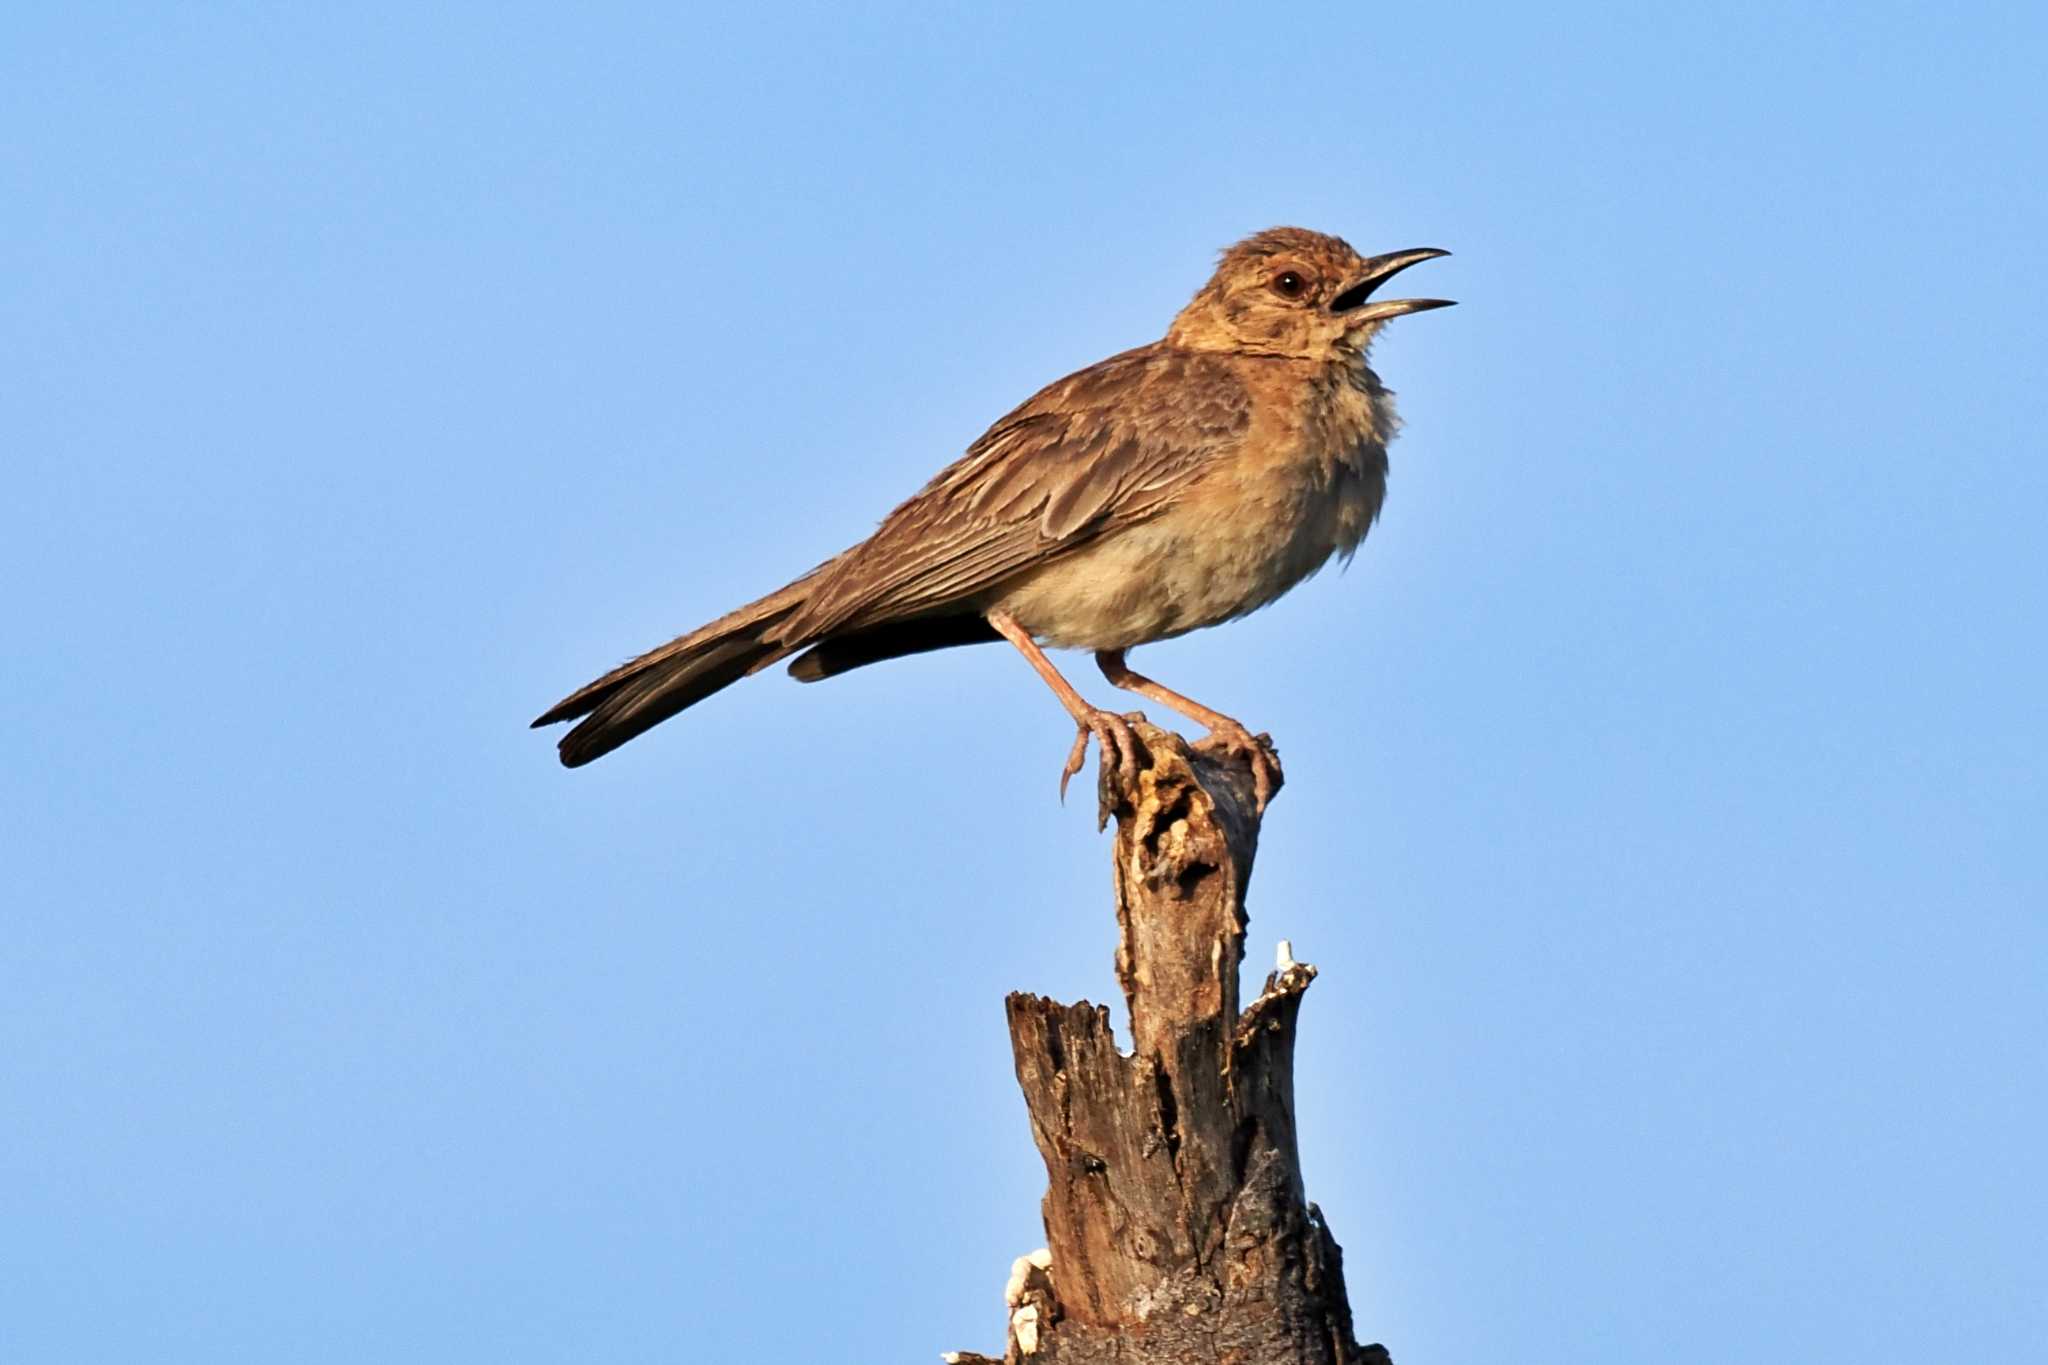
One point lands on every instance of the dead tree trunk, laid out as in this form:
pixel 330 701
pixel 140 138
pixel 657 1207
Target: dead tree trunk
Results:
pixel 1176 1228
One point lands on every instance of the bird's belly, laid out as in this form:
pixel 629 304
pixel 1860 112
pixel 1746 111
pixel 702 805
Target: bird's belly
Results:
pixel 1228 548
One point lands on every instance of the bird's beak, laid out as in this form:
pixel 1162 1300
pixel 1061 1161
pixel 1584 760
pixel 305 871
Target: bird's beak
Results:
pixel 1352 305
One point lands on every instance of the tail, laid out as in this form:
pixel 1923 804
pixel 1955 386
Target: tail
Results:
pixel 837 654
pixel 637 696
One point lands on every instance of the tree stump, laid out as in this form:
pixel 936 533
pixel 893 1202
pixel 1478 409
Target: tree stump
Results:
pixel 1176 1227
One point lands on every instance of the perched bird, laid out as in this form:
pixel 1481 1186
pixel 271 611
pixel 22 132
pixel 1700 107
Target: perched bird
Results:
pixel 1174 486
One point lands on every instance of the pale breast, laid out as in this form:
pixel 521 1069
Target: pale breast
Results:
pixel 1307 484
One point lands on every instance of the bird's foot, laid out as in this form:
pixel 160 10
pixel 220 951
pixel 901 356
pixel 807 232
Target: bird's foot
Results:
pixel 1232 739
pixel 1112 735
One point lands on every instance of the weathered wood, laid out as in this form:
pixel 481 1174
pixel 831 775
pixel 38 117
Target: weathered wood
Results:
pixel 1176 1228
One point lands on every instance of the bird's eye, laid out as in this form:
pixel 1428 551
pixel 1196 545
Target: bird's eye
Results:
pixel 1290 284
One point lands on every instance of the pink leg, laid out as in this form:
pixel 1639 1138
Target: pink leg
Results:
pixel 1224 733
pixel 1111 731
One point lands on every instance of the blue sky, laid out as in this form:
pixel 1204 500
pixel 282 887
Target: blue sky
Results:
pixel 1665 798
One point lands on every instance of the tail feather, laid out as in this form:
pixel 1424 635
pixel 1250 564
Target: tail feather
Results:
pixel 642 693
pixel 646 701
pixel 840 653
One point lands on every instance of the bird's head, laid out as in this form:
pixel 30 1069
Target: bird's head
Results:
pixel 1291 292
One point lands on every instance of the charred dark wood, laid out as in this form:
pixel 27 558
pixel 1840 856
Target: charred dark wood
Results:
pixel 1176 1226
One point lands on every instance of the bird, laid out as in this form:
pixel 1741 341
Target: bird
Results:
pixel 1178 485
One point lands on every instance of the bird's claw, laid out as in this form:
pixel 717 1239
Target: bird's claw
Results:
pixel 1257 750
pixel 1113 736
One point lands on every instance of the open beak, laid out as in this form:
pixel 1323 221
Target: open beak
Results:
pixel 1353 303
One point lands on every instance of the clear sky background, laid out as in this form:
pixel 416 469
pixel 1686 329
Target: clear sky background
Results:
pixel 1665 804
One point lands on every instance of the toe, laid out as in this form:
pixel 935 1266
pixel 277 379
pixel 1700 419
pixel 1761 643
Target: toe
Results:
pixel 1118 727
pixel 1076 756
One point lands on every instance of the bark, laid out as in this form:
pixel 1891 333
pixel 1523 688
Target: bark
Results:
pixel 1176 1225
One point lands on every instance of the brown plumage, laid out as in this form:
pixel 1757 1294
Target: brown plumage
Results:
pixel 1174 486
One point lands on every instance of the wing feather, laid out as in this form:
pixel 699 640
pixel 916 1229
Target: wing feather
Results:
pixel 1104 448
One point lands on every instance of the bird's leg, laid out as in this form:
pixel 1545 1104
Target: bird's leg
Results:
pixel 1224 733
pixel 1112 732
